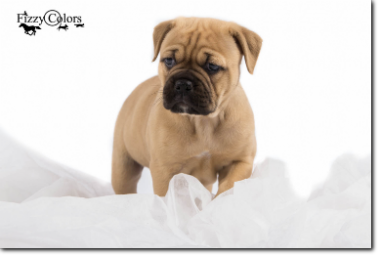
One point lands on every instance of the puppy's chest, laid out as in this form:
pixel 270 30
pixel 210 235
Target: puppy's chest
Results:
pixel 204 166
pixel 208 156
pixel 200 165
pixel 208 147
pixel 216 143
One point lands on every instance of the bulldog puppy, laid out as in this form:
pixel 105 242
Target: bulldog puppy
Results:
pixel 194 117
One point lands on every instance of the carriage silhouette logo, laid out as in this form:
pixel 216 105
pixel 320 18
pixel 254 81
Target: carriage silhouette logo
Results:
pixel 52 18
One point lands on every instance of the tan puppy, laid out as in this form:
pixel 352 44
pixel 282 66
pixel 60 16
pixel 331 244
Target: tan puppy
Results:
pixel 194 117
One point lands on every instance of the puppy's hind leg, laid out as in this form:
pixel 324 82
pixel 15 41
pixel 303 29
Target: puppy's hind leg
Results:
pixel 126 172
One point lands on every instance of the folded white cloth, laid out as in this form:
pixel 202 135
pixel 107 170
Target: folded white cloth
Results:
pixel 44 204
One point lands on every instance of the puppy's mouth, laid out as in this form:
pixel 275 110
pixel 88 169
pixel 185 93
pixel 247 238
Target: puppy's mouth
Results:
pixel 182 106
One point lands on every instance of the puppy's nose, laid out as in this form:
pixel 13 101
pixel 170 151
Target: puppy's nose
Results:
pixel 183 85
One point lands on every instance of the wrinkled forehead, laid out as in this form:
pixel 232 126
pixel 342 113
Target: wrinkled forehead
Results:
pixel 200 42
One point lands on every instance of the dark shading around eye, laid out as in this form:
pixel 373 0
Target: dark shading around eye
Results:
pixel 212 68
pixel 169 62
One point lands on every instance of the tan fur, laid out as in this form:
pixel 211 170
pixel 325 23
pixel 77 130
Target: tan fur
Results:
pixel 220 145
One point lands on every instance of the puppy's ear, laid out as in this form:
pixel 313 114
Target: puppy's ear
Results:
pixel 249 44
pixel 160 31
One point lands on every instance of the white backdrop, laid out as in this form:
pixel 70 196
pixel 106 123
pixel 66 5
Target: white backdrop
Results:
pixel 60 92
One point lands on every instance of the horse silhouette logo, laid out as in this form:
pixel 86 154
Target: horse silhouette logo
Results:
pixel 63 27
pixel 79 25
pixel 29 28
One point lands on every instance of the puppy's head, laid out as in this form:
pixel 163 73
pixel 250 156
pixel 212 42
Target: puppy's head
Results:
pixel 199 62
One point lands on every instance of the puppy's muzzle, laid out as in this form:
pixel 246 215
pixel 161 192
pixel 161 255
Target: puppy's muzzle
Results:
pixel 186 93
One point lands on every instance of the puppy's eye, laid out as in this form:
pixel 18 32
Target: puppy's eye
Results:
pixel 169 62
pixel 212 68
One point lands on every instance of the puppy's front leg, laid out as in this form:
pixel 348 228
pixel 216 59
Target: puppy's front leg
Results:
pixel 161 176
pixel 237 171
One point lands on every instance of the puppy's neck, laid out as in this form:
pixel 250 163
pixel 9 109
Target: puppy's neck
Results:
pixel 207 124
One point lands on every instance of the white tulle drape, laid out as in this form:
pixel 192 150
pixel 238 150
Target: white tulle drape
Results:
pixel 44 204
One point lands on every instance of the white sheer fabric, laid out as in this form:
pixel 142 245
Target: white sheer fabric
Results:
pixel 44 204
